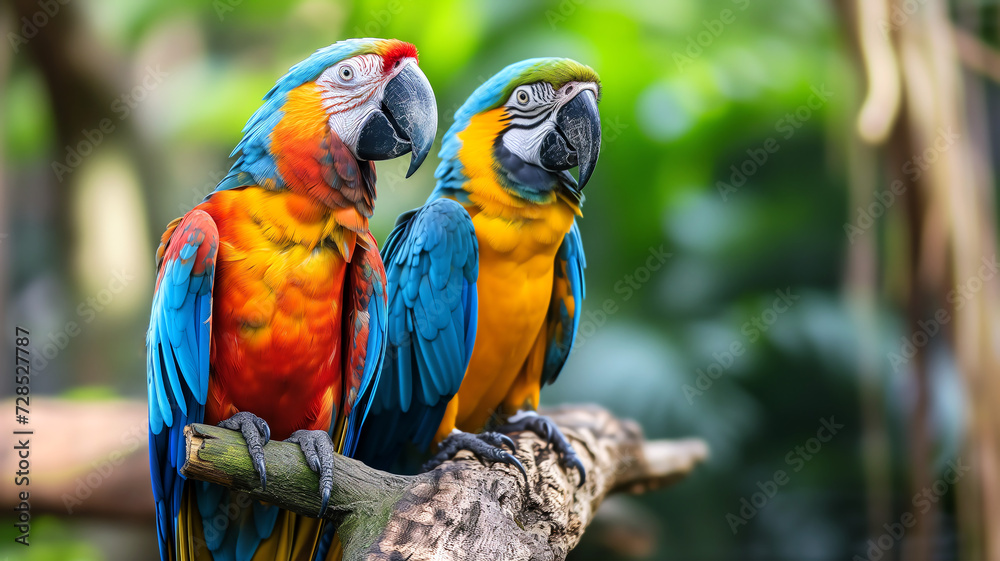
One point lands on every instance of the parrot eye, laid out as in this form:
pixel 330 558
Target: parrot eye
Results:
pixel 522 97
pixel 346 73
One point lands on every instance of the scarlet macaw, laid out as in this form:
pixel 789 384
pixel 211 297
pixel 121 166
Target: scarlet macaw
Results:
pixel 486 279
pixel 269 311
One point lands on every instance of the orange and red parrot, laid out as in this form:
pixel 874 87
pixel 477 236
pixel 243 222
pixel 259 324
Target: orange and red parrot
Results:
pixel 269 314
pixel 486 280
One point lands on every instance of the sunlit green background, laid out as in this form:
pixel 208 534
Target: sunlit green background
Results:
pixel 686 97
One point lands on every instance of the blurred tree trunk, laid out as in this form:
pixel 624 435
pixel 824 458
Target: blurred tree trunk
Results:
pixel 861 284
pixel 83 78
pixel 78 96
pixel 5 241
pixel 915 114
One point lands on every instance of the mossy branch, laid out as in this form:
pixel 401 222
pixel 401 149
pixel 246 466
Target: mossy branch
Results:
pixel 463 509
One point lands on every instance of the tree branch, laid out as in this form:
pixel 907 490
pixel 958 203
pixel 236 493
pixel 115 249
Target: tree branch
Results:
pixel 463 509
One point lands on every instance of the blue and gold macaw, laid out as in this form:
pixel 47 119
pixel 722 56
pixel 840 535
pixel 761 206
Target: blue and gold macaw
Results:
pixel 269 311
pixel 485 280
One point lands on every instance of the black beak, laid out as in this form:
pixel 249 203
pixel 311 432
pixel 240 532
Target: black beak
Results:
pixel 577 140
pixel 407 121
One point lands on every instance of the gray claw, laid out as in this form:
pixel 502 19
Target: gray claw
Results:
pixel 572 461
pixel 313 462
pixel 258 464
pixel 326 500
pixel 511 460
pixel 554 440
pixel 318 450
pixel 256 433
pixel 510 444
pixel 485 446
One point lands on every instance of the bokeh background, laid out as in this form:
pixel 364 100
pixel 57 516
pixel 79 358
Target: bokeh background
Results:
pixel 791 228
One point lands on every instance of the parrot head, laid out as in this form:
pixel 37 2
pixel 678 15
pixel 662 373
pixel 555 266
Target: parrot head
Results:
pixel 368 93
pixel 527 125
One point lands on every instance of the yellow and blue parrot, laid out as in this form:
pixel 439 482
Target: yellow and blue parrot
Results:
pixel 269 313
pixel 485 280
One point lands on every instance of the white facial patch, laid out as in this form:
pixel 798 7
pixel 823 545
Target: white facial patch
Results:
pixel 527 143
pixel 533 109
pixel 352 90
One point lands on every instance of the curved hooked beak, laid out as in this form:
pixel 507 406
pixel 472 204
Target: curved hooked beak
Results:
pixel 577 140
pixel 406 120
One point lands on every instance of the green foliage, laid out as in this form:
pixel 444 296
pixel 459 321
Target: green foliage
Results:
pixel 694 91
pixel 51 540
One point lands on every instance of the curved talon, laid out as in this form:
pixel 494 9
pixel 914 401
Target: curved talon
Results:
pixel 258 464
pixel 318 450
pixel 256 433
pixel 511 460
pixel 572 461
pixel 312 457
pixel 486 447
pixel 326 501
pixel 554 439
pixel 509 443
pixel 546 434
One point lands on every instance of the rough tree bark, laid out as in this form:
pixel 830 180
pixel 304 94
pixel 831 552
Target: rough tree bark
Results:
pixel 463 509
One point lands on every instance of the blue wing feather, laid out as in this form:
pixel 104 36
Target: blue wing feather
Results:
pixel 177 361
pixel 368 290
pixel 568 292
pixel 432 265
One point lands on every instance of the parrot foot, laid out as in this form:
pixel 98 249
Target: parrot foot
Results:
pixel 256 433
pixel 318 449
pixel 545 428
pixel 487 446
